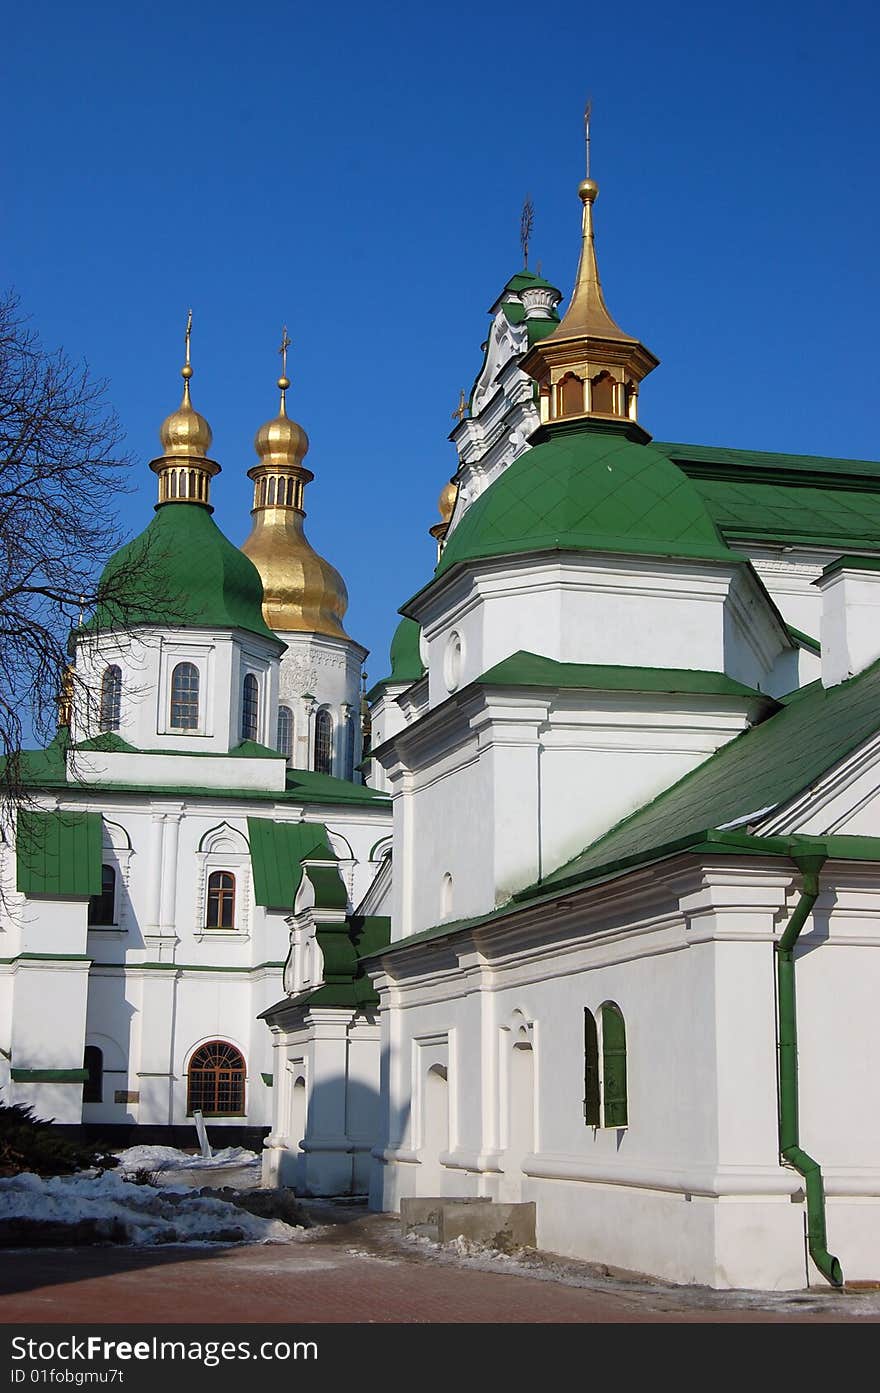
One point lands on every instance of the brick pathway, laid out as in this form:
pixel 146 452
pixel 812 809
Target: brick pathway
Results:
pixel 359 1270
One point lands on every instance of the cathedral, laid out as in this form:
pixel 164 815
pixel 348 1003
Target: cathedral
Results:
pixel 577 907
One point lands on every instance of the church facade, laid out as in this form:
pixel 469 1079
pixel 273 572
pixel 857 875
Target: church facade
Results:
pixel 630 739
pixel 599 929
pixel 201 790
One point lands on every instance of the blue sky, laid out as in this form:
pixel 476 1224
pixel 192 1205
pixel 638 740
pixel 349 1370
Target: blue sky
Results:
pixel 358 172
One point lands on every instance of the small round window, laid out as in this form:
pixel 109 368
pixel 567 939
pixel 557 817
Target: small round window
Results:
pixel 452 662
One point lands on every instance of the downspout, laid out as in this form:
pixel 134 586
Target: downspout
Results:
pixel 789 1131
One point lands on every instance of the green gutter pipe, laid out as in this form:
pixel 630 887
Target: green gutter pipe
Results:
pixel 789 1131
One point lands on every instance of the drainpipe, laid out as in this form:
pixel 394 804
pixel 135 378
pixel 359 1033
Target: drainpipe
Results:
pixel 789 1132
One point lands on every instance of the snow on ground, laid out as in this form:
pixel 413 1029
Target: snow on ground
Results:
pixel 147 1214
pixel 167 1158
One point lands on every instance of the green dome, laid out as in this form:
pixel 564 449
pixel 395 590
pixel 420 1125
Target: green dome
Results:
pixel 181 572
pixel 406 659
pixel 583 489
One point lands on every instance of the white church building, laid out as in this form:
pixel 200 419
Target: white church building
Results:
pixel 631 737
pixel 600 931
pixel 201 797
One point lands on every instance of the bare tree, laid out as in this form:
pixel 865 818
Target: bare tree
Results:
pixel 61 475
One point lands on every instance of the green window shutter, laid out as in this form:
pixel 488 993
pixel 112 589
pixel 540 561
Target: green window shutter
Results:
pixel 591 1070
pixel 614 1066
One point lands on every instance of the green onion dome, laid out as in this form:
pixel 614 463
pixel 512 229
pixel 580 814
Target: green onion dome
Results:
pixel 181 572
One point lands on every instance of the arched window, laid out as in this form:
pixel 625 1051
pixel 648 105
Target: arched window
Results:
pixel 602 393
pixel 285 731
pixel 215 1080
pixel 185 697
pixel 571 396
pixel 323 743
pixel 111 698
pixel 221 901
pixel 250 708
pixel 93 1084
pixel 102 907
pixel 591 1070
pixel 613 1066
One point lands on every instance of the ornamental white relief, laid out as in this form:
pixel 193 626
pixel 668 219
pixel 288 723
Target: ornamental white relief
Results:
pixel 298 677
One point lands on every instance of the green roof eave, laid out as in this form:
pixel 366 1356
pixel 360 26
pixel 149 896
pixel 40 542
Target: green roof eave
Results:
pixel 525 669
pixel 839 473
pixel 706 844
pixel 849 563
pixel 804 640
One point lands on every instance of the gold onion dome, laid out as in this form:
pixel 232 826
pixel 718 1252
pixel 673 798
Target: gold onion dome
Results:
pixel 185 433
pixel 184 469
pixel 302 593
pixel 446 501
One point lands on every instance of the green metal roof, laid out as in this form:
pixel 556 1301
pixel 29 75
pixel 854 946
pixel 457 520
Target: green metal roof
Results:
pixel 278 850
pixel 406 658
pixel 806 500
pixel 585 488
pixel 764 767
pixel 181 571
pixel 531 670
pixel 58 853
pixel 46 769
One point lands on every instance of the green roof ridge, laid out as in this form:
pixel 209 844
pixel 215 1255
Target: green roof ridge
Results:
pixel 532 669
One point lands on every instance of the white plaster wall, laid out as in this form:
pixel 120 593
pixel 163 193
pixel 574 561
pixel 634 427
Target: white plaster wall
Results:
pixel 147 659
pixel 639 612
pixel 207 983
pixel 692 1188
pixel 321 672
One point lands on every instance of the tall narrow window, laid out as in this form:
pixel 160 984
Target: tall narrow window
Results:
pixel 221 901
pixel 185 697
pixel 613 1066
pixel 102 907
pixel 250 708
pixel 323 743
pixel 111 698
pixel 591 1070
pixel 93 1084
pixel 215 1080
pixel 285 731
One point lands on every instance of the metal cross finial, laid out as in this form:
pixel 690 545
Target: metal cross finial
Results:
pixel 82 605
pixel 188 334
pixel 461 410
pixel 526 223
pixel 285 344
pixel 588 112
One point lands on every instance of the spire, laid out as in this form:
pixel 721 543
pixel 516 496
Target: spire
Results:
pixel 588 366
pixel 183 467
pixel 587 313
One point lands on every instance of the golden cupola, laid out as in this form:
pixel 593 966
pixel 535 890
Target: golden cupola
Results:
pixel 302 593
pixel 184 470
pixel 588 367
pixel 446 507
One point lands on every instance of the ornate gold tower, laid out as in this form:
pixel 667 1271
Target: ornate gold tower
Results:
pixel 184 470
pixel 301 591
pixel 588 366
